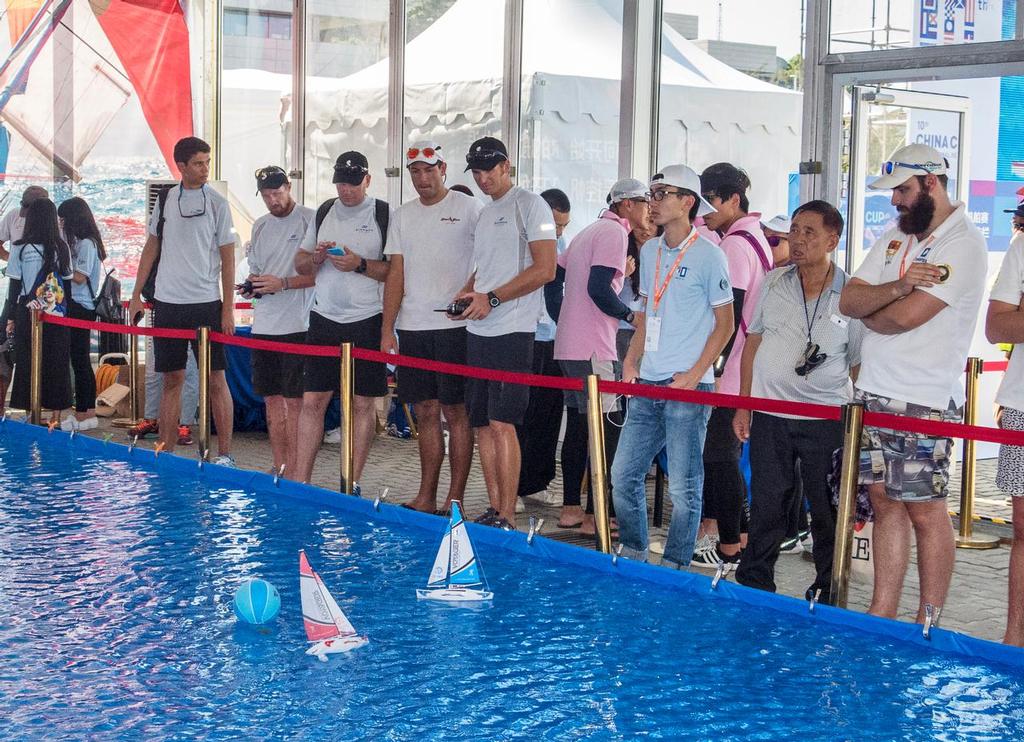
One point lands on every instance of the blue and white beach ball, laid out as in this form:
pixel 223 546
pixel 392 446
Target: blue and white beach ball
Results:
pixel 257 601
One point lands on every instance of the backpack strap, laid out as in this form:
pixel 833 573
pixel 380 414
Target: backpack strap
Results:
pixel 161 201
pixel 766 263
pixel 382 214
pixel 322 211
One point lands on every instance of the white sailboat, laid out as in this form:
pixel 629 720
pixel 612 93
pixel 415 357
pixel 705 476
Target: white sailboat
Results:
pixel 455 576
pixel 326 624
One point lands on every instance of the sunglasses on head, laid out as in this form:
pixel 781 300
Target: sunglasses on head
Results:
pixel 429 152
pixel 485 154
pixel 265 172
pixel 928 167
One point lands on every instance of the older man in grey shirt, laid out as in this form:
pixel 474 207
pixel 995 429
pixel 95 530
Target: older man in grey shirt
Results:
pixel 799 348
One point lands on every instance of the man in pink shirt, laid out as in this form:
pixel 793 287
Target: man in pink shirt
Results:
pixel 749 257
pixel 588 315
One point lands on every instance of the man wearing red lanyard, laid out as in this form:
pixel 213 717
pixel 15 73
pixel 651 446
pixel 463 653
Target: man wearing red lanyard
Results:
pixel 918 293
pixel 686 321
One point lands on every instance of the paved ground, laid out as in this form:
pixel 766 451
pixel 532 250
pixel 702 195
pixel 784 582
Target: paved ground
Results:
pixel 977 603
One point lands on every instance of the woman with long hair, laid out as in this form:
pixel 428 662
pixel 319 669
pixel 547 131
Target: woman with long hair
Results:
pixel 40 253
pixel 87 256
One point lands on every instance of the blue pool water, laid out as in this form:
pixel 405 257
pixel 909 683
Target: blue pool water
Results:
pixel 116 620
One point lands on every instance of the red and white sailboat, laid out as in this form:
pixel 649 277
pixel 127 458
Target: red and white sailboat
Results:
pixel 326 624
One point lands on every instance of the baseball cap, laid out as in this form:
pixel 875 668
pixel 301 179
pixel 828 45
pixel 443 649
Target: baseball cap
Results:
pixel 681 176
pixel 270 176
pixel 906 162
pixel 427 151
pixel 1019 211
pixel 625 189
pixel 779 223
pixel 350 167
pixel 485 153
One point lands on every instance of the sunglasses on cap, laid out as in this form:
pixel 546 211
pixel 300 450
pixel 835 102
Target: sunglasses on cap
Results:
pixel 429 152
pixel 485 154
pixel 928 167
pixel 265 172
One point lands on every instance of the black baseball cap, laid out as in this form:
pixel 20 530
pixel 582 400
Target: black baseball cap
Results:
pixel 485 153
pixel 350 167
pixel 271 176
pixel 1019 211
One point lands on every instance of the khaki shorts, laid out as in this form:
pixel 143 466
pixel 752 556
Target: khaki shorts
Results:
pixel 913 467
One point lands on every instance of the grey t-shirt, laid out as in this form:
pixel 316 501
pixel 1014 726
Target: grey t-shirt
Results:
pixel 197 223
pixel 275 240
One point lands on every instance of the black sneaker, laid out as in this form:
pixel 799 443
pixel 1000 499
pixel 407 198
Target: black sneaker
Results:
pixel 711 558
pixel 488 518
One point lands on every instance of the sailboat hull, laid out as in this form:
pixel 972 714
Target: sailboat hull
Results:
pixel 336 646
pixel 454 595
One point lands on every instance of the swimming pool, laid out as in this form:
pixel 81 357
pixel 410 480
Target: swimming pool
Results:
pixel 116 581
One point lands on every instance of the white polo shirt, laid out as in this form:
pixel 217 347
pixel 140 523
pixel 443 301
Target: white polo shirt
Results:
pixel 275 240
pixel 436 245
pixel 501 251
pixel 1009 289
pixel 924 365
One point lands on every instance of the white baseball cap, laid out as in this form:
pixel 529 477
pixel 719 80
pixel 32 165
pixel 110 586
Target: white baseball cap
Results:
pixel 778 223
pixel 681 176
pixel 427 151
pixel 908 161
pixel 625 189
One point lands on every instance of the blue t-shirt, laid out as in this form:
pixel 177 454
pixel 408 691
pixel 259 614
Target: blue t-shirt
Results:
pixel 698 285
pixel 86 260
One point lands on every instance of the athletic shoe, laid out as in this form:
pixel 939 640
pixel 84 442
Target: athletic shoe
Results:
pixel 520 505
pixel 225 460
pixel 502 524
pixel 711 558
pixel 145 429
pixel 184 435
pixel 546 497
pixel 704 544
pixel 488 518
pixel 792 546
pixel 333 436
pixel 72 423
pixel 357 491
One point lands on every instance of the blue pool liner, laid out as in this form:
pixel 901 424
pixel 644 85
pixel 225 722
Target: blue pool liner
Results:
pixel 941 640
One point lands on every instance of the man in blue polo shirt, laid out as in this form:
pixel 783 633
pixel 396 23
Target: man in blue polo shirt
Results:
pixel 686 322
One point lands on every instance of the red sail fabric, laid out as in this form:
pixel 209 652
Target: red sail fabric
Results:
pixel 150 38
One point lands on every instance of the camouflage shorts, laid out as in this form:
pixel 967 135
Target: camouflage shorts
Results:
pixel 913 467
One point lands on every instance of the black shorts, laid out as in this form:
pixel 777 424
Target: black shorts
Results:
pixel 278 374
pixel 417 385
pixel 172 354
pixel 495 400
pixel 321 374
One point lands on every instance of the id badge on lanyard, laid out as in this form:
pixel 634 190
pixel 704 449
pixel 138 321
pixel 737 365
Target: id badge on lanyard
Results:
pixel 653 334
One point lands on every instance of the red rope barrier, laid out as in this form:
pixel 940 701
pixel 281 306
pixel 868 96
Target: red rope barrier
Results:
pixel 994 366
pixel 238 305
pixel 714 399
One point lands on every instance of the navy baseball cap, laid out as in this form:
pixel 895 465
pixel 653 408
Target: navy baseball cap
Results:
pixel 485 153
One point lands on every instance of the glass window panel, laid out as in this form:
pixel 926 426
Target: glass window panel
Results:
pixel 453 78
pixel 346 91
pixel 730 79
pixel 572 67
pixel 865 25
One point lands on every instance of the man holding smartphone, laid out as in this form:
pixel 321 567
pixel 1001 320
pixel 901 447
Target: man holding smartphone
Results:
pixel 344 250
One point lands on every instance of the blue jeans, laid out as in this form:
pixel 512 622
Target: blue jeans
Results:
pixel 680 428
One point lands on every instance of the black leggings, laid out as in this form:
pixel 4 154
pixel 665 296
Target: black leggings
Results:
pixel 575 457
pixel 81 364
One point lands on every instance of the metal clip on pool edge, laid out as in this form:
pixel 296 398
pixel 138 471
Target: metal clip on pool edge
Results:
pixel 616 554
pixel 812 602
pixel 133 444
pixel 931 619
pixel 381 497
pixel 535 525
pixel 719 574
pixel 278 473
pixel 203 453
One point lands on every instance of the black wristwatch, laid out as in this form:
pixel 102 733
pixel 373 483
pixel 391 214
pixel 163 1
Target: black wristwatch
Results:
pixel 630 316
pixel 361 268
pixel 493 299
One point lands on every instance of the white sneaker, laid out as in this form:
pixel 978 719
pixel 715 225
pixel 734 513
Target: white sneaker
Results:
pixel 520 505
pixel 333 436
pixel 89 423
pixel 69 424
pixel 656 547
pixel 224 460
pixel 547 497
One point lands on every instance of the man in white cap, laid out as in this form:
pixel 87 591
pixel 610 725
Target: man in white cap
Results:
pixel 918 292
pixel 430 246
pixel 686 321
pixel 629 199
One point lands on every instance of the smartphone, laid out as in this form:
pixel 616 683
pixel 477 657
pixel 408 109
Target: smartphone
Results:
pixel 339 251
pixel 138 318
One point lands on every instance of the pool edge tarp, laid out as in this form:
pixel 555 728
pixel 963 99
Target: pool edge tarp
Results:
pixel 941 640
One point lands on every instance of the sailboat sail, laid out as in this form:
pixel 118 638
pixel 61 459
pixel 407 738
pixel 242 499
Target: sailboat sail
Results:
pixel 462 564
pixel 321 615
pixel 439 572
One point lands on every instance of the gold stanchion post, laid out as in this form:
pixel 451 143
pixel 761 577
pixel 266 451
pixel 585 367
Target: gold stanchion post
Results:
pixel 35 392
pixel 966 538
pixel 598 481
pixel 347 422
pixel 853 426
pixel 133 378
pixel 204 393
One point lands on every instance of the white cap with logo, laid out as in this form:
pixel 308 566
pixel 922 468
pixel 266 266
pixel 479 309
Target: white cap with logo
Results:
pixel 778 223
pixel 625 189
pixel 908 161
pixel 681 176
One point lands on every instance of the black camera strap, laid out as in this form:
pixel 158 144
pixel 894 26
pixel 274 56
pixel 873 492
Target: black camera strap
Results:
pixel 814 315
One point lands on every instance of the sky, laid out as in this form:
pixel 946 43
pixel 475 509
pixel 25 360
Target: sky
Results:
pixel 773 22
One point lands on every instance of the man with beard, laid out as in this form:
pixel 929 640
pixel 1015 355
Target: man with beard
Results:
pixel 918 293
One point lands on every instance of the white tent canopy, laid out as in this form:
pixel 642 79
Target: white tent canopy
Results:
pixel 453 81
